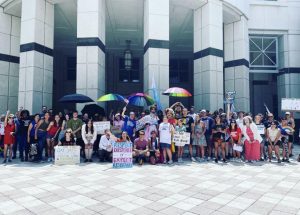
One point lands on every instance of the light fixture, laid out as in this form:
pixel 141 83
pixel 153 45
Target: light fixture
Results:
pixel 128 56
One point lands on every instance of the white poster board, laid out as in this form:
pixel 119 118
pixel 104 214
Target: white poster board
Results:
pixel 122 155
pixel 181 138
pixel 101 126
pixel 69 155
pixel 290 104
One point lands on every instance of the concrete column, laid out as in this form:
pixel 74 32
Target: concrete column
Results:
pixel 236 65
pixel 9 61
pixel 156 47
pixel 90 78
pixel 36 55
pixel 288 79
pixel 208 56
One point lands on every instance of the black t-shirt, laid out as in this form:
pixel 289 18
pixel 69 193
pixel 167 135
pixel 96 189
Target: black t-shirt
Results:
pixel 23 126
pixel 187 121
pixel 219 128
pixel 64 142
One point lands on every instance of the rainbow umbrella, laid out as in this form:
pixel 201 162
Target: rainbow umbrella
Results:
pixel 140 99
pixel 177 92
pixel 111 97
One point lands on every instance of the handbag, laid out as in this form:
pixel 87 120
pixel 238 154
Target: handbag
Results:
pixel 33 149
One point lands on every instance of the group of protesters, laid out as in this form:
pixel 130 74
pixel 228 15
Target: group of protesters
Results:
pixel 214 136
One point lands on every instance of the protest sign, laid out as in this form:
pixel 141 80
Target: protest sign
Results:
pixel 101 126
pixel 122 155
pixel 67 155
pixel 181 138
pixel 288 104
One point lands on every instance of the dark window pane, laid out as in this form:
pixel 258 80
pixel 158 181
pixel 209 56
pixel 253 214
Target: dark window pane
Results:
pixel 271 47
pixel 267 61
pixel 257 42
pixel 267 42
pixel 253 46
pixel 254 56
pixel 272 57
pixel 258 60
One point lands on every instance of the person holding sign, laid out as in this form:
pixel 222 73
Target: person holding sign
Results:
pixel 105 147
pixel 140 148
pixel 165 138
pixel 68 139
pixel 273 141
pixel 129 124
pixel 180 128
pixel 89 136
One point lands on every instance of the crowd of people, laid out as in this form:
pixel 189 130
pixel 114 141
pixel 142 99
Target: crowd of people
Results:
pixel 214 136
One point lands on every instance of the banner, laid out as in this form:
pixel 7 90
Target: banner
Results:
pixel 181 138
pixel 67 155
pixel 290 104
pixel 101 126
pixel 122 155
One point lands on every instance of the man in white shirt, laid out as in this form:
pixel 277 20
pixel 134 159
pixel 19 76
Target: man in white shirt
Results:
pixel 105 147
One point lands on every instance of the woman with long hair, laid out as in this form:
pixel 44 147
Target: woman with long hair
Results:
pixel 252 141
pixel 63 126
pixel 199 138
pixel 9 135
pixel 89 136
pixel 235 134
pixel 52 136
pixel 41 134
pixel 68 139
pixel 273 141
pixel 219 131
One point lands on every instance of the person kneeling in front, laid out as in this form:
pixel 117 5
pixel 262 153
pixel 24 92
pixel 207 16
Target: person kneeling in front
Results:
pixel 105 147
pixel 140 148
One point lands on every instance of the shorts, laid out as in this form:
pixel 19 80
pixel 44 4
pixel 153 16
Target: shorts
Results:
pixel 277 144
pixel 291 138
pixel 165 145
pixel 49 136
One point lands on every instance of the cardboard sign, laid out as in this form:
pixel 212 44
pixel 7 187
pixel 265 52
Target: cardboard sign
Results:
pixel 69 155
pixel 122 155
pixel 101 126
pixel 181 138
pixel 290 104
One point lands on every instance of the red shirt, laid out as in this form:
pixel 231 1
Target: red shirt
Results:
pixel 234 134
pixel 8 138
pixel 52 131
pixel 172 121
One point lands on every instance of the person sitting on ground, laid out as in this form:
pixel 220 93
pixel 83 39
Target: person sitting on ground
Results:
pixel 105 147
pixel 68 139
pixel 140 148
pixel 154 148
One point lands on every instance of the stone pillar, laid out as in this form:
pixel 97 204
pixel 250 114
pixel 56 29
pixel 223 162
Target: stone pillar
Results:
pixel 288 79
pixel 90 78
pixel 36 55
pixel 9 61
pixel 208 56
pixel 156 47
pixel 236 65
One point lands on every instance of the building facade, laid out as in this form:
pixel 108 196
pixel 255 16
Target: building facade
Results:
pixel 49 48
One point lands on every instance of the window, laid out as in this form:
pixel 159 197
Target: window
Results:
pixel 71 68
pixel 263 51
pixel 132 75
pixel 179 70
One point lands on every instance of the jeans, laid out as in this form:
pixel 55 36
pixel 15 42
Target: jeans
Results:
pixel 23 146
pixel 41 135
pixel 105 155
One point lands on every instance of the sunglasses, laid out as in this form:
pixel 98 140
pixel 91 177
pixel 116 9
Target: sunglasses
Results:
pixel 68 132
pixel 142 134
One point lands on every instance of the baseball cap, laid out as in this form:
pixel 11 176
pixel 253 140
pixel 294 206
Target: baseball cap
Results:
pixel 131 113
pixel 287 113
pixel 203 111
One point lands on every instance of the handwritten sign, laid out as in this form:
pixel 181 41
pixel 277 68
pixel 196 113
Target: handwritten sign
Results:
pixel 69 155
pixel 181 138
pixel 101 126
pixel 122 155
pixel 290 104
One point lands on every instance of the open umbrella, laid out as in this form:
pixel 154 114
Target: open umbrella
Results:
pixel 140 99
pixel 92 109
pixel 111 97
pixel 177 92
pixel 75 98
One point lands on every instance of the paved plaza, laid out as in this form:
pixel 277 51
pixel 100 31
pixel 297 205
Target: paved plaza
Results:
pixel 191 188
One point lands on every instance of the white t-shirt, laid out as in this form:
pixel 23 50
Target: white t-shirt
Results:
pixel 239 122
pixel 1 128
pixel 165 133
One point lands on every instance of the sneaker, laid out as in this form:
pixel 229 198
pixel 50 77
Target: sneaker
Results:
pixel 49 159
pixel 283 160
pixel 208 159
pixel 198 159
pixel 193 159
pixel 224 161
pixel 165 161
pixel 288 161
pixel 9 160
pixel 91 160
pixel 216 160
pixel 170 162
pixel 86 160
pixel 4 161
pixel 279 161
pixel 261 159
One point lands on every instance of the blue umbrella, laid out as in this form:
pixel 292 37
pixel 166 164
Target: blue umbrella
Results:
pixel 75 98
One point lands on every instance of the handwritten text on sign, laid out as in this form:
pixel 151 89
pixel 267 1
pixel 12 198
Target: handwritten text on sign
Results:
pixel 101 126
pixel 181 138
pixel 122 155
pixel 67 155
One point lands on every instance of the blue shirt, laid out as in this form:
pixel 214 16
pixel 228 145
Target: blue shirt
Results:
pixel 129 125
pixel 209 124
